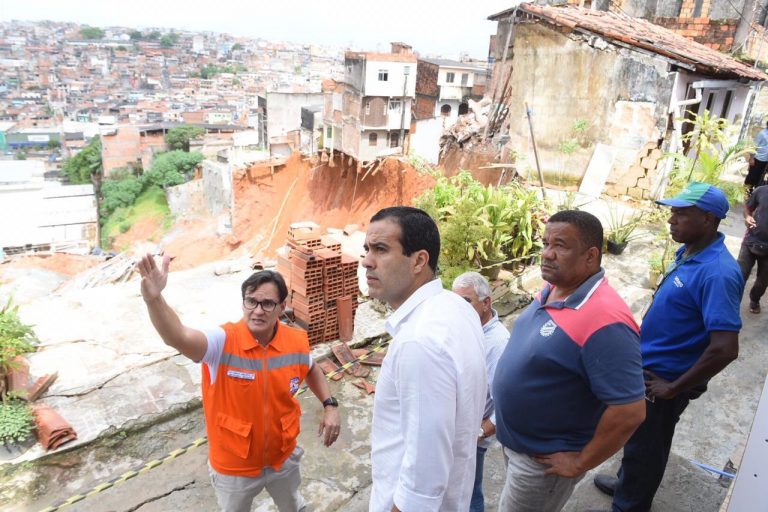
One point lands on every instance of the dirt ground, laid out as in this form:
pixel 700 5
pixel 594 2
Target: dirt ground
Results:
pixel 67 264
pixel 330 194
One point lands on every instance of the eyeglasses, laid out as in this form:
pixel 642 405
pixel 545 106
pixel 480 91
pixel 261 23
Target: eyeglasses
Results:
pixel 266 305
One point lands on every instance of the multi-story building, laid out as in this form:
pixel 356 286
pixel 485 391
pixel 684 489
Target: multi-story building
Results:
pixel 368 115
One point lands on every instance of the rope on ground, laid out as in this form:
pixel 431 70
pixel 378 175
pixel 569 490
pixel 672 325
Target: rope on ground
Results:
pixel 126 476
pixel 180 451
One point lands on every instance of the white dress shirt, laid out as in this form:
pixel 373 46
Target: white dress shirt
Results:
pixel 428 406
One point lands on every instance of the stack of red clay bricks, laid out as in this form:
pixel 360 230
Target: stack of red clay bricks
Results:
pixel 317 274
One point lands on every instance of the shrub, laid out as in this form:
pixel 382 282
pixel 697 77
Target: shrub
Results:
pixel 16 337
pixel 119 193
pixel 482 226
pixel 16 422
pixel 171 168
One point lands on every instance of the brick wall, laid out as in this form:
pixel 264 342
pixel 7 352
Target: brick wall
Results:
pixel 717 34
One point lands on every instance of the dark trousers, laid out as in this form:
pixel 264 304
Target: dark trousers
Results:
pixel 746 261
pixel 755 174
pixel 646 454
pixel 478 502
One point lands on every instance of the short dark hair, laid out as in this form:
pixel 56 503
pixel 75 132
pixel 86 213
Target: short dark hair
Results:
pixel 417 231
pixel 262 277
pixel 589 227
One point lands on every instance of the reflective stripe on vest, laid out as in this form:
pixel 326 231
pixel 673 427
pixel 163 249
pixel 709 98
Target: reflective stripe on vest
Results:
pixel 252 416
pixel 273 363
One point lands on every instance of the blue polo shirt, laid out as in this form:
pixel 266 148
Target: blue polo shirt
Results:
pixel 699 295
pixel 564 364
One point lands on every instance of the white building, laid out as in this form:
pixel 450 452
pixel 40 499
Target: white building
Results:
pixel 366 114
pixel 46 214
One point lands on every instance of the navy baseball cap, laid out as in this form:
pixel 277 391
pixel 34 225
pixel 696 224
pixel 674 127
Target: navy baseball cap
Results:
pixel 701 195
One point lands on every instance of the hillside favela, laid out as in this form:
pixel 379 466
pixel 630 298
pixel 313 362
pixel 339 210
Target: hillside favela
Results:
pixel 503 257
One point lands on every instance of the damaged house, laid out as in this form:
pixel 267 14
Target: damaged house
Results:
pixel 368 115
pixel 606 92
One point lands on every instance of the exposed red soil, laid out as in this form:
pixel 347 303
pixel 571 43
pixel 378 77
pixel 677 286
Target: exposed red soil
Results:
pixel 329 196
pixel 67 264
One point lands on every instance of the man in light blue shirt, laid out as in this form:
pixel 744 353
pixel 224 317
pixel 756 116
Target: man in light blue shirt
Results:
pixel 474 288
pixel 758 161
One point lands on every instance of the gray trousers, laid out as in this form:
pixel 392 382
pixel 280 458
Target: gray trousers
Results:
pixel 526 489
pixel 236 493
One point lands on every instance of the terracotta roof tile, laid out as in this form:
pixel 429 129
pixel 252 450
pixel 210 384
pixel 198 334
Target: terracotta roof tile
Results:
pixel 642 34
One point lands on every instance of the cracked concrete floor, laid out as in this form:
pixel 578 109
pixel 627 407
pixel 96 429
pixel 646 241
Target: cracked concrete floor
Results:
pixel 144 382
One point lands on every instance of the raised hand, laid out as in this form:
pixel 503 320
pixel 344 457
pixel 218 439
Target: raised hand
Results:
pixel 153 278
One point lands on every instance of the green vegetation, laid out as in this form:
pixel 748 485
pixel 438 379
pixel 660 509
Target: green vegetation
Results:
pixel 577 139
pixel 136 35
pixel 16 338
pixel 16 422
pixel 211 70
pixel 483 227
pixel 179 137
pixel 150 203
pixel 91 33
pixel 168 40
pixel 622 229
pixel 237 46
pixel 172 168
pixel 119 191
pixel 85 165
pixel 709 142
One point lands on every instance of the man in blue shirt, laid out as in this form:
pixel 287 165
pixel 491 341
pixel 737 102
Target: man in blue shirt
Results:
pixel 568 387
pixel 689 334
pixel 474 288
pixel 758 161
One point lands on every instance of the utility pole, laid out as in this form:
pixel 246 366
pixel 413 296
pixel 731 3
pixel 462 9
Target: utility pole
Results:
pixel 406 72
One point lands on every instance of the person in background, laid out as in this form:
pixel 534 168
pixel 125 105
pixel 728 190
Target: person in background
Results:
pixel 758 161
pixel 754 247
pixel 474 288
pixel 689 334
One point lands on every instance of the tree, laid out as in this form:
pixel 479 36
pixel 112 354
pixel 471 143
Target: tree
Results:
pixel 84 165
pixel 179 137
pixel 172 168
pixel 91 33
pixel 237 46
pixel 166 41
pixel 136 35
pixel 154 35
pixel 119 191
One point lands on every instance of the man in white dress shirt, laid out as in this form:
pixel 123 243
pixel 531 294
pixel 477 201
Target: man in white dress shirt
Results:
pixel 431 392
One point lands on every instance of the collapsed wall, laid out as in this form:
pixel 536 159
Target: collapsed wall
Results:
pixel 331 194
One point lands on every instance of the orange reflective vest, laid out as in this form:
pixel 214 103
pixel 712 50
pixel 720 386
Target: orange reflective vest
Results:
pixel 251 415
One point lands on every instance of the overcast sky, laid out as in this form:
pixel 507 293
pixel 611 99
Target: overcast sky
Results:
pixel 445 27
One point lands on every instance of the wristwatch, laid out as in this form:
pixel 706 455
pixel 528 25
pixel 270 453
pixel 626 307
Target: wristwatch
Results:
pixel 330 401
pixel 482 435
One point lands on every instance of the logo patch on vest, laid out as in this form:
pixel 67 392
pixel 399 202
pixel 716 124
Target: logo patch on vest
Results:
pixel 548 329
pixel 241 375
pixel 294 385
pixel 678 282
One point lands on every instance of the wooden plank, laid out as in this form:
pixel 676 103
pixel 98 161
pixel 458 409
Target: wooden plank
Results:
pixel 600 164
